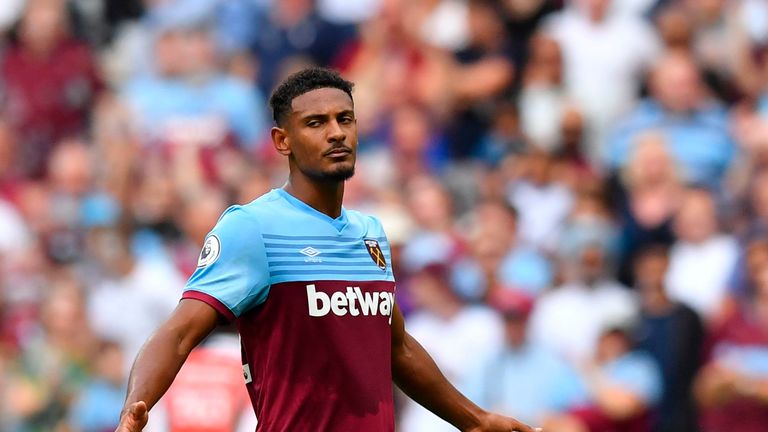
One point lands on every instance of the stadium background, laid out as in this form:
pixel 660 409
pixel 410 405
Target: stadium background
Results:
pixel 531 160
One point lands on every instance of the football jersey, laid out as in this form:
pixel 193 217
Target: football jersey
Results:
pixel 312 297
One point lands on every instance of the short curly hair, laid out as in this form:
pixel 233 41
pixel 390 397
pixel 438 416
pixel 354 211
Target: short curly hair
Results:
pixel 302 82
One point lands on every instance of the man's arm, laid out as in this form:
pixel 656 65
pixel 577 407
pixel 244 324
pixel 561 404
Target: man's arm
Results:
pixel 161 358
pixel 414 371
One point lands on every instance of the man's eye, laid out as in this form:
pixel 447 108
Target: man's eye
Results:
pixel 313 123
pixel 347 120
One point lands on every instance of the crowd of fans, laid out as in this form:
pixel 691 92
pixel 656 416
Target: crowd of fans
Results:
pixel 576 193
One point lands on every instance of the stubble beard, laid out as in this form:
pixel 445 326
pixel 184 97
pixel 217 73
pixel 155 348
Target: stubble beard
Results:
pixel 335 175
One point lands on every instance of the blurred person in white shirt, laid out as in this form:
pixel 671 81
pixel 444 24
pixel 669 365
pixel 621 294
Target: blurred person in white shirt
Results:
pixel 569 318
pixel 135 294
pixel 703 258
pixel 605 54
pixel 460 338
pixel 543 201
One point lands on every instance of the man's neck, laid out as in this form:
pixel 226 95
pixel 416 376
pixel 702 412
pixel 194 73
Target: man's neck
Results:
pixel 325 197
pixel 657 303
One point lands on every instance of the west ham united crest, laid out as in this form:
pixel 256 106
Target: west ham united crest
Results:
pixel 376 254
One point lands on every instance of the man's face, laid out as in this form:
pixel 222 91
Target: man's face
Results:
pixel 321 132
pixel 650 271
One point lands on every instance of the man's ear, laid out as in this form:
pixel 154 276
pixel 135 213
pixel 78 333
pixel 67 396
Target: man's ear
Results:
pixel 280 141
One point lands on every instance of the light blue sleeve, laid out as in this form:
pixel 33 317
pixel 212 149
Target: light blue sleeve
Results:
pixel 233 267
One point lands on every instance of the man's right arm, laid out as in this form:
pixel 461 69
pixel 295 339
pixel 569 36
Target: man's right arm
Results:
pixel 161 358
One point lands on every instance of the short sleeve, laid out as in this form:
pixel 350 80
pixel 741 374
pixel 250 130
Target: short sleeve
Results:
pixel 232 272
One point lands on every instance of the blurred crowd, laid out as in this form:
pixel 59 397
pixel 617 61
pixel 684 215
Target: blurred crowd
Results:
pixel 576 193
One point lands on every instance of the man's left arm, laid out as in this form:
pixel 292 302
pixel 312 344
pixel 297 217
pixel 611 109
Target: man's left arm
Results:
pixel 417 375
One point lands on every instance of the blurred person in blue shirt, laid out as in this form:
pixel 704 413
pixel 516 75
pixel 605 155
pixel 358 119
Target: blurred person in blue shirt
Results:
pixel 498 259
pixel 522 367
pixel 189 100
pixel 461 336
pixel 696 128
pixel 435 239
pixel 98 406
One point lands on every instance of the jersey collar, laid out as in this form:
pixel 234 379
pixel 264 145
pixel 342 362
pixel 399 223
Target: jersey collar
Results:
pixel 338 223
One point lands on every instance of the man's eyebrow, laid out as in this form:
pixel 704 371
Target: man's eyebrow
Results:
pixel 313 116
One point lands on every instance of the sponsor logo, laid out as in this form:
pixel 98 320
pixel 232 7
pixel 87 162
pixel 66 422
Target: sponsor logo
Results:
pixel 376 254
pixel 211 251
pixel 247 373
pixel 311 254
pixel 353 302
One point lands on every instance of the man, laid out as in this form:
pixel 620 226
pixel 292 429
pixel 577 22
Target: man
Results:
pixel 523 366
pixel 673 334
pixel 695 126
pixel 311 289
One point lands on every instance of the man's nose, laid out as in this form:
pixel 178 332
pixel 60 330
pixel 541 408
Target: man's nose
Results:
pixel 335 133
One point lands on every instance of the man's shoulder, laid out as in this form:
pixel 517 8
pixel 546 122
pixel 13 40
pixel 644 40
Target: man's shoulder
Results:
pixel 265 211
pixel 370 225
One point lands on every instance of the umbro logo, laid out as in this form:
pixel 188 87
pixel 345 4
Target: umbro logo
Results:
pixel 311 254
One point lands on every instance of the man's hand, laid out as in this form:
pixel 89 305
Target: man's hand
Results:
pixel 498 423
pixel 134 418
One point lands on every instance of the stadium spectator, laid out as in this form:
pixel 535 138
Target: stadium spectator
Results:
pixel 589 224
pixel 435 239
pixel 523 367
pixel 605 54
pixel 542 200
pixel 543 99
pixel 134 293
pixel 50 81
pixel 391 67
pixel 291 29
pixel 497 259
pixel 673 334
pixel 190 102
pixel 621 387
pixel 97 406
pixel 746 275
pixel 676 28
pixel 720 44
pixel 461 338
pixel 757 202
pixel 481 73
pixel 559 321
pixel 647 195
pixel 503 138
pixel 52 364
pixel 733 386
pixel 412 146
pixel 703 258
pixel 443 23
pixel 695 127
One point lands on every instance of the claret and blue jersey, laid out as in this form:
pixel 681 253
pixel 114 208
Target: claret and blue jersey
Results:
pixel 313 298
